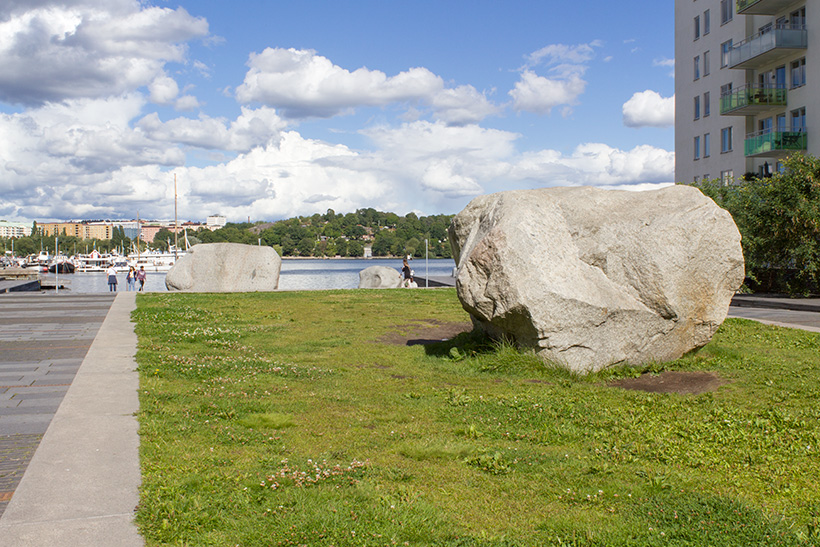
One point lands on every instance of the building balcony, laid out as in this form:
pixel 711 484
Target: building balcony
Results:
pixel 751 100
pixel 768 46
pixel 762 7
pixel 774 144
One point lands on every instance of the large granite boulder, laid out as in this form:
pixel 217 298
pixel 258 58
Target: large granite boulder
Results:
pixel 591 278
pixel 379 277
pixel 225 267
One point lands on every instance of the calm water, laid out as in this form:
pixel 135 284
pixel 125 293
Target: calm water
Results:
pixel 296 274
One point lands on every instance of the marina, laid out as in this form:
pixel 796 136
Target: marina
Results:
pixel 296 274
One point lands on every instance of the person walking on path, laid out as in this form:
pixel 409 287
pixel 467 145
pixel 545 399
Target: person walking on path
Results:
pixel 141 277
pixel 112 279
pixel 130 279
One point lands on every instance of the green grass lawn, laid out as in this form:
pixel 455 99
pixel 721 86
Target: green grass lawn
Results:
pixel 286 419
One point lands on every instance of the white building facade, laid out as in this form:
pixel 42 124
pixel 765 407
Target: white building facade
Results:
pixel 215 222
pixel 14 229
pixel 747 86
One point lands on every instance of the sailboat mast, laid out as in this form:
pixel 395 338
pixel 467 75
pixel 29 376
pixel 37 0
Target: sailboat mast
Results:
pixel 176 223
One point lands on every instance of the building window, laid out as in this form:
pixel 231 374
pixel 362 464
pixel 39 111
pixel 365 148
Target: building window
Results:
pixel 725 140
pixel 727 177
pixel 706 176
pixel 707 22
pixel 726 89
pixel 799 73
pixel 695 180
pixel 697 148
pixel 725 48
pixel 799 119
pixel 697 67
pixel 707 141
pixel 697 107
pixel 798 18
pixel 780 123
pixel 705 63
pixel 707 108
pixel 726 11
pixel 697 27
pixel 780 77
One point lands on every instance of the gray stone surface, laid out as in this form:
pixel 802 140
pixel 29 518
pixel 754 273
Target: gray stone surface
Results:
pixel 43 340
pixel 225 267
pixel 379 277
pixel 81 485
pixel 591 278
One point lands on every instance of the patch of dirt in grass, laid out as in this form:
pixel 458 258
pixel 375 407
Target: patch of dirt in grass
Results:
pixel 687 383
pixel 424 332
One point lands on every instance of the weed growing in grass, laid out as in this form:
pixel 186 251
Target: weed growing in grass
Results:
pixel 279 419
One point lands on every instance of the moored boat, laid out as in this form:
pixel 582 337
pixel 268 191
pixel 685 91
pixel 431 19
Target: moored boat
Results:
pixel 61 265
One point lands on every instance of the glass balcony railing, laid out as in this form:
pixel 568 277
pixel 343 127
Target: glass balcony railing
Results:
pixel 762 7
pixel 774 143
pixel 767 46
pixel 752 99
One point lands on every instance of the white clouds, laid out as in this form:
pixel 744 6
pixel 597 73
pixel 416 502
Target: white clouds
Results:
pixel 67 166
pixel 462 105
pixel 558 54
pixel 163 90
pixel 538 94
pixel 597 164
pixel 82 50
pixel 89 140
pixel 649 109
pixel 563 86
pixel 252 128
pixel 301 83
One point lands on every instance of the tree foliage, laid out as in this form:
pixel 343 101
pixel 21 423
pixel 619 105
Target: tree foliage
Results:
pixel 779 220
pixel 334 234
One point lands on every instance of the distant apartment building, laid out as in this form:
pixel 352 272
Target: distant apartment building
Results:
pixel 83 230
pixel 747 86
pixel 14 229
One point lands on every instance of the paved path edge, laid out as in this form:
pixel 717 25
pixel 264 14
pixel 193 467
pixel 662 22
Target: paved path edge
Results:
pixel 82 485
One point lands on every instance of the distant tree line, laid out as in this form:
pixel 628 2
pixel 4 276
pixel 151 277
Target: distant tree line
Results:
pixel 319 235
pixel 331 234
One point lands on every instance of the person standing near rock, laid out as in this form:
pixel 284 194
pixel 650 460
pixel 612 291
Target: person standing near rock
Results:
pixel 141 277
pixel 112 279
pixel 408 273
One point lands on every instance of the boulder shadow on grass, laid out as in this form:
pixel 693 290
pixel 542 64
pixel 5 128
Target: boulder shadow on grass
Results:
pixel 423 333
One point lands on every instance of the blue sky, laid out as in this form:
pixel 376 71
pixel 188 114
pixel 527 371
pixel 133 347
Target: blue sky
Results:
pixel 266 110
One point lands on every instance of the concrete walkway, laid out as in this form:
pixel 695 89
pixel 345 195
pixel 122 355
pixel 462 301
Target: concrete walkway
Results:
pixel 81 486
pixel 799 313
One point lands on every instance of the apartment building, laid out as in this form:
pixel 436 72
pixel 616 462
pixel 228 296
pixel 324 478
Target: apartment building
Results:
pixel 14 229
pixel 83 230
pixel 747 86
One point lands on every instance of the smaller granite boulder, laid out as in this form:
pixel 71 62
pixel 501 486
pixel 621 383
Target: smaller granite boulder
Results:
pixel 225 267
pixel 379 277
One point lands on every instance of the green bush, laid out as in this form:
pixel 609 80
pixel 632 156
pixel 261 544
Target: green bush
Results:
pixel 779 220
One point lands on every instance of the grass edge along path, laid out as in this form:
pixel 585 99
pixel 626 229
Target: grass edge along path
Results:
pixel 295 419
